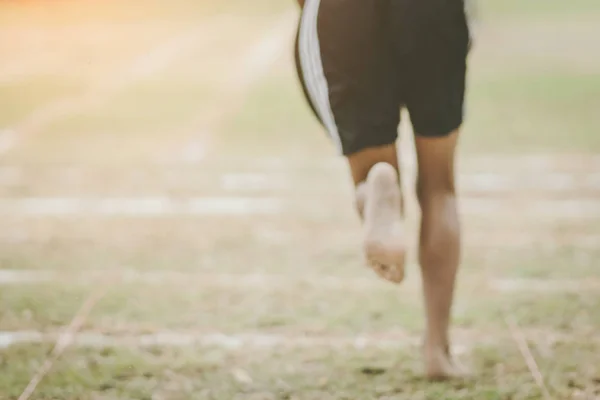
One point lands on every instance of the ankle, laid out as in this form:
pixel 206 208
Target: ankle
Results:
pixel 437 344
pixel 360 195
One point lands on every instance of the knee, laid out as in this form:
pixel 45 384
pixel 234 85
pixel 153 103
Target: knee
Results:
pixel 439 215
pixel 435 194
pixel 440 230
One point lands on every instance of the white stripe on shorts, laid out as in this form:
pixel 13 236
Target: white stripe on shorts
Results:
pixel 312 69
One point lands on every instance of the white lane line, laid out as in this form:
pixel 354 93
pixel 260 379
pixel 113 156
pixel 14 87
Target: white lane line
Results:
pixel 19 277
pixel 500 163
pixel 261 55
pixel 578 164
pixel 550 181
pixel 144 66
pixel 218 340
pixel 269 281
pixel 545 285
pixel 484 182
pixel 463 340
pixel 8 139
pixel 531 162
pixel 161 206
pixel 155 206
pixel 484 238
pixel 487 182
pixel 475 238
pixel 248 181
pixel 534 208
pixel 249 68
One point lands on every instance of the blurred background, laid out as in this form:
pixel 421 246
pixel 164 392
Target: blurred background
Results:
pixel 166 192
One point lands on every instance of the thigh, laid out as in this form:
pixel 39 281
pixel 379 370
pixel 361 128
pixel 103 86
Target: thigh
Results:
pixel 436 65
pixel 346 72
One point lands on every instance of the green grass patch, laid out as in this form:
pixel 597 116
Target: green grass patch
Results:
pixel 544 112
pixel 306 374
pixel 276 119
pixel 148 308
pixel 545 262
pixel 516 112
pixel 293 307
pixel 535 8
pixel 18 365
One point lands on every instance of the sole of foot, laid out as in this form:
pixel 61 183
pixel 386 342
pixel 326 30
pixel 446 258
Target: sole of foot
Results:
pixel 384 242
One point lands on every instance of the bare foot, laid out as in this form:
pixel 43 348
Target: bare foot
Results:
pixel 383 236
pixel 439 365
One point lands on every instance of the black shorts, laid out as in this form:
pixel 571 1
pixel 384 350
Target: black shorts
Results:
pixel 361 61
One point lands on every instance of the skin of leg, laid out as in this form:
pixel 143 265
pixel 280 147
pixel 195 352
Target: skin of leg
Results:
pixel 360 164
pixel 439 248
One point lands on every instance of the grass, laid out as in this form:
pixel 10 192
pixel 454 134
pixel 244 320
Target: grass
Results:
pixel 531 91
pixel 540 112
pixel 273 244
pixel 280 245
pixel 163 111
pixel 510 178
pixel 515 112
pixel 205 373
pixel 530 9
pixel 290 304
pixel 275 102
pixel 295 309
pixel 517 109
